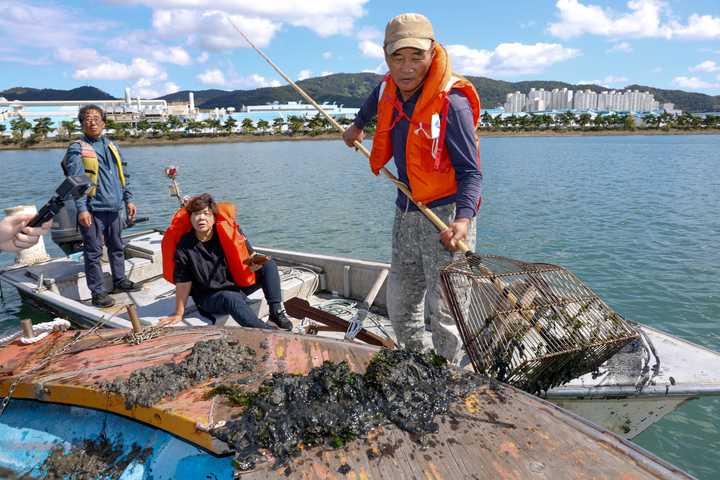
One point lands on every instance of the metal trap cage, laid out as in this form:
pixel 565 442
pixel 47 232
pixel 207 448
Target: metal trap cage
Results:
pixel 532 325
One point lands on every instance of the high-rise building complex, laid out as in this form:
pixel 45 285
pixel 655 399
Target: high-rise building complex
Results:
pixel 565 99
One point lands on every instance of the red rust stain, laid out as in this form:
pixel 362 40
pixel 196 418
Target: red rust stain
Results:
pixel 353 367
pixel 627 476
pixel 510 448
pixel 318 354
pixel 322 472
pixel 514 475
pixel 296 356
pixel 579 474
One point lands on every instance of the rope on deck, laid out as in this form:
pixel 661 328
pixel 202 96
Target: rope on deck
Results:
pixel 46 328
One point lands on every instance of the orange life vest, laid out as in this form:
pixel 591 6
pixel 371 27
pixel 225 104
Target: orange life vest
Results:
pixel 233 244
pixel 429 169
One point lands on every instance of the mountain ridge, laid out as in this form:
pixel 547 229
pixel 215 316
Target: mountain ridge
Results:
pixel 351 89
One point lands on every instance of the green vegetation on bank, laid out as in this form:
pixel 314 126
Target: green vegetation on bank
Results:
pixel 351 89
pixel 296 126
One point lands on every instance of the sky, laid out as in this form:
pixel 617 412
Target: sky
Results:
pixel 158 47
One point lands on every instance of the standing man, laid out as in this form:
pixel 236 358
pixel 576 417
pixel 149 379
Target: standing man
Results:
pixel 99 212
pixel 427 117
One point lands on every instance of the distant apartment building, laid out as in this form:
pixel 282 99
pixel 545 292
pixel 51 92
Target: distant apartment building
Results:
pixel 516 102
pixel 561 99
pixel 538 100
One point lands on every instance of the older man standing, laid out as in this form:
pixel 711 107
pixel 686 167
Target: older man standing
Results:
pixel 427 117
pixel 99 213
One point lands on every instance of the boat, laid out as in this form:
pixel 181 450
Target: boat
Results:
pixel 653 376
pixel 60 394
pixel 648 379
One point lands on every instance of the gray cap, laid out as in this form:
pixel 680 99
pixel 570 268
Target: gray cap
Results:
pixel 408 30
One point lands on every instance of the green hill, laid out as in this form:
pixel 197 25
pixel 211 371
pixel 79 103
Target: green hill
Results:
pixel 351 89
pixel 48 94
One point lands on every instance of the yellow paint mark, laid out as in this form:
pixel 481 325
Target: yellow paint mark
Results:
pixel 279 349
pixel 435 471
pixel 514 475
pixel 509 447
pixel 472 403
pixel 364 474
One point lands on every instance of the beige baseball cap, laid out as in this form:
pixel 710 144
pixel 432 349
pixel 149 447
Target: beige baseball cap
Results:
pixel 408 30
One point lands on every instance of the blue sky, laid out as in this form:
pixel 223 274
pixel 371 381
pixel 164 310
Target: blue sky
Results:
pixel 157 47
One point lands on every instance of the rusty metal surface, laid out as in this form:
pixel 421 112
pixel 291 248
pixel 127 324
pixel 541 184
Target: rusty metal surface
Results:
pixel 499 432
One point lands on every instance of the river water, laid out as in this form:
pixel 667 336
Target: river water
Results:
pixel 635 218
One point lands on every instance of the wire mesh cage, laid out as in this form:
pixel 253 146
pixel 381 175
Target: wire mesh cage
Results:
pixel 532 325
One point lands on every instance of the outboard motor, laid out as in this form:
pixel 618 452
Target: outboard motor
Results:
pixel 66 233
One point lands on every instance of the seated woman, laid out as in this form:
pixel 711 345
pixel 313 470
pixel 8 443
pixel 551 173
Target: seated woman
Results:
pixel 204 252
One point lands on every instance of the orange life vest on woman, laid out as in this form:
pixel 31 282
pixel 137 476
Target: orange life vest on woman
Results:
pixel 429 169
pixel 233 244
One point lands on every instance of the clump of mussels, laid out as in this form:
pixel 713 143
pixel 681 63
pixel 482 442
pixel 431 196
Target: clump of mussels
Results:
pixel 332 404
pixel 208 359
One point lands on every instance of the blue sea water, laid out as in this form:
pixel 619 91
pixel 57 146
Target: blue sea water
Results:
pixel 635 218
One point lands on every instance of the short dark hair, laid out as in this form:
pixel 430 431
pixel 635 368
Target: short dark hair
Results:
pixel 198 202
pixel 87 108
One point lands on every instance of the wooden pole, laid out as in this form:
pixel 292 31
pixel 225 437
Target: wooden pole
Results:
pixel 428 213
pixel 27 328
pixel 134 319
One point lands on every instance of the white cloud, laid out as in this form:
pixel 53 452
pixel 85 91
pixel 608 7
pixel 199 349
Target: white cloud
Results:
pixel 612 79
pixel 325 74
pixel 212 77
pixel 327 55
pixel 260 21
pixel 231 80
pixel 693 82
pixel 526 25
pixel 382 69
pixel 204 56
pixel 509 59
pixel 371 49
pixel 589 82
pixel 90 65
pixel 369 33
pixel 645 19
pixel 210 30
pixel 703 27
pixel 707 66
pixel 304 74
pixel 620 47
pixel 655 70
pixel 144 88
pixel 176 55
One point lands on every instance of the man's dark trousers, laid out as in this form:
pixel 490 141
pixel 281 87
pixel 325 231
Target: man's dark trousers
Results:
pixel 108 225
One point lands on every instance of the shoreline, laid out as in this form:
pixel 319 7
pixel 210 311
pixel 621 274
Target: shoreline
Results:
pixel 241 138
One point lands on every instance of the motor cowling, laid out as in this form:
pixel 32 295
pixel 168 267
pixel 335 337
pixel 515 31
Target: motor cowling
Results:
pixel 64 230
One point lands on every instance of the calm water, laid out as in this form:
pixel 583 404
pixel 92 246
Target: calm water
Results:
pixel 635 218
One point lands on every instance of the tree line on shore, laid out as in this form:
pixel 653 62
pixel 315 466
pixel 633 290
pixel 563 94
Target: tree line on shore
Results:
pixel 174 128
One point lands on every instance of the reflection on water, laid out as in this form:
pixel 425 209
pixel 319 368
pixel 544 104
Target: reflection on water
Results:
pixel 634 218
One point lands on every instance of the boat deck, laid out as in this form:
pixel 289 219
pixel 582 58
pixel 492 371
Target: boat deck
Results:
pixel 498 432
